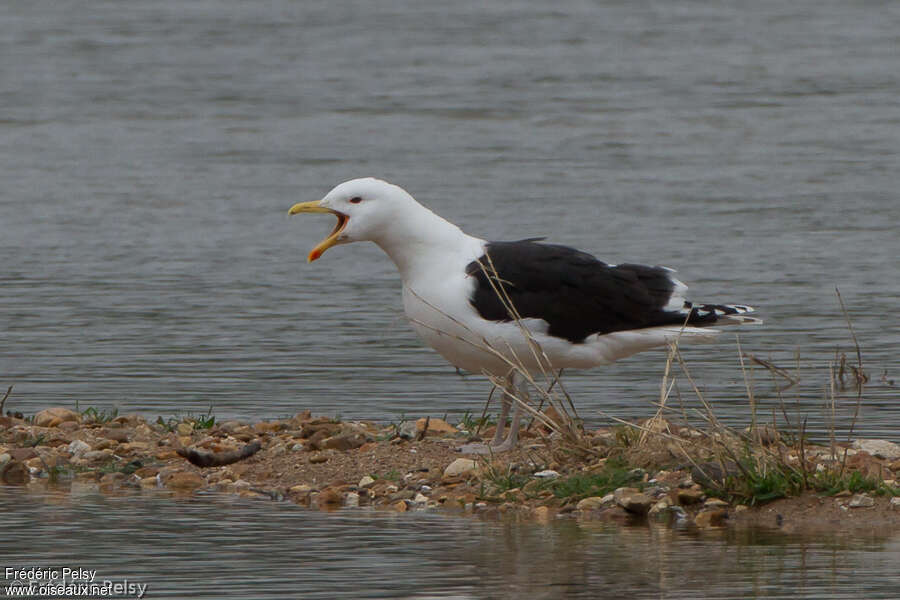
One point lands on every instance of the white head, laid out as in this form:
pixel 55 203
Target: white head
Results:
pixel 367 209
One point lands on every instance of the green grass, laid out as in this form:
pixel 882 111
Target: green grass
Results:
pixel 586 485
pixel 759 482
pixel 471 423
pixel 197 422
pixel 92 415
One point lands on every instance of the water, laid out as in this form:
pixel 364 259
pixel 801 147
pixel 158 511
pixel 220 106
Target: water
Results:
pixel 214 547
pixel 150 152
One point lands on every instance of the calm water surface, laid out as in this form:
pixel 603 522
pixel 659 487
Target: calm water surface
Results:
pixel 214 547
pixel 150 151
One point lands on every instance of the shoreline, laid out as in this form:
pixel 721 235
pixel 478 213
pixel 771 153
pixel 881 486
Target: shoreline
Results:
pixel 325 464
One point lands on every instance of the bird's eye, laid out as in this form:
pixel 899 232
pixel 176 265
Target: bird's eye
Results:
pixel 355 200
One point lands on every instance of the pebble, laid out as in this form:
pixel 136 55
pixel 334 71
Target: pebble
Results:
pixel 547 474
pixel 594 502
pixel 318 458
pixel 366 482
pixel 716 503
pixel 895 503
pixel 77 448
pixel 690 496
pixel 420 498
pixel 460 468
pixel 861 501
pixel 408 430
pixel 659 508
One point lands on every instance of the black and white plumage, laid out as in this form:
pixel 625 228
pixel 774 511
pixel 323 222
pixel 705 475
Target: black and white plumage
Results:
pixel 457 292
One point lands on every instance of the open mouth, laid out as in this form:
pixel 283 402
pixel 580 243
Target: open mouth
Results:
pixel 332 239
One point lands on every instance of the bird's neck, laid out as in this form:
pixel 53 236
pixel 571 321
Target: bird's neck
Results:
pixel 424 240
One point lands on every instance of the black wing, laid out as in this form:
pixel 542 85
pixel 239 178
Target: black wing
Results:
pixel 575 293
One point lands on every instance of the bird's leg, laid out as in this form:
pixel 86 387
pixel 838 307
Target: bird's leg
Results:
pixel 518 388
pixel 505 402
pixel 498 444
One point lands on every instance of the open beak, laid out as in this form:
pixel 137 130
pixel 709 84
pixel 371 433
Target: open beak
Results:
pixel 331 240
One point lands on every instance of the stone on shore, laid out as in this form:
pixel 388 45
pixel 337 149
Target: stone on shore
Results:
pixel 879 448
pixel 711 518
pixel 861 501
pixel 77 448
pixel 14 473
pixel 595 502
pixel 53 416
pixel 461 467
pixel 184 480
pixel 638 503
pixel 435 426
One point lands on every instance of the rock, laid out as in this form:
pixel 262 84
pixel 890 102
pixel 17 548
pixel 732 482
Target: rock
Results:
pixel 407 430
pixel 624 491
pixel 116 434
pixel 366 482
pixel 461 467
pixel 638 504
pixel 344 441
pixel 895 503
pixel 594 502
pixel 77 448
pixel 711 518
pixel 861 501
pixel 689 496
pixel 300 490
pixel 659 508
pixel 420 498
pixel 547 474
pixel 324 429
pixel 880 448
pixel 716 503
pixel 51 417
pixel 184 480
pixel 329 498
pixel 105 444
pixel 352 500
pixel 399 506
pixel 318 458
pixel 22 454
pixel 541 513
pixel 15 473
pixel 435 426
pixel 5 458
pixel 96 455
pixel 112 478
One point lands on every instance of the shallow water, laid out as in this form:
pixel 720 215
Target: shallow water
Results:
pixel 213 547
pixel 150 152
